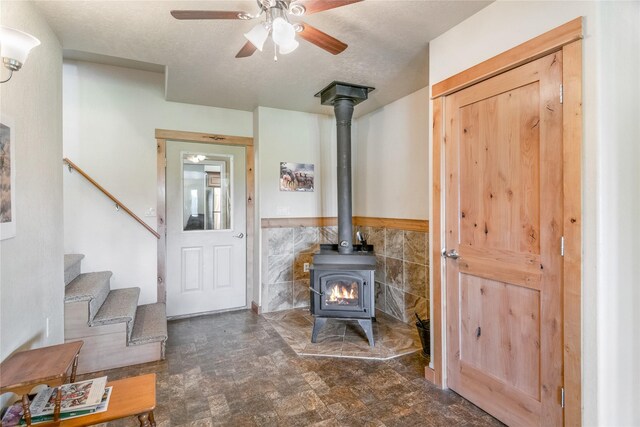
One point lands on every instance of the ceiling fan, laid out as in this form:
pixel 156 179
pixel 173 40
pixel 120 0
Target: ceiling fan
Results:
pixel 276 23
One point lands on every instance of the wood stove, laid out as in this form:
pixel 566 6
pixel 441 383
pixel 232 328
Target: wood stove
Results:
pixel 342 287
pixel 342 275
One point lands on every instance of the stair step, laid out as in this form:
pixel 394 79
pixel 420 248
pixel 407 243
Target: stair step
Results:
pixel 120 306
pixel 150 324
pixel 71 267
pixel 92 287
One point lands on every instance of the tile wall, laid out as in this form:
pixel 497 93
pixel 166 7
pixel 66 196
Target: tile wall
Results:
pixel 402 273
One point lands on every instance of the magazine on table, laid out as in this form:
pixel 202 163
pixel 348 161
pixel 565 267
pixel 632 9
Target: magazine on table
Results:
pixel 75 396
pixel 102 407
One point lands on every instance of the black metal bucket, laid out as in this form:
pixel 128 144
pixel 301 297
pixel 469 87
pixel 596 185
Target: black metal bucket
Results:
pixel 425 336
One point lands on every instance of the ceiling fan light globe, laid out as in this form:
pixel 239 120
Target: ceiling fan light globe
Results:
pixel 257 36
pixel 288 47
pixel 283 32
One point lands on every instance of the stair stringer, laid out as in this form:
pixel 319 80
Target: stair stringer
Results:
pixel 105 346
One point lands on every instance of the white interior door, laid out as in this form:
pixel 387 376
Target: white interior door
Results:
pixel 206 228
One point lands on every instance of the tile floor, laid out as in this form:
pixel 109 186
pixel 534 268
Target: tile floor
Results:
pixel 345 338
pixel 234 369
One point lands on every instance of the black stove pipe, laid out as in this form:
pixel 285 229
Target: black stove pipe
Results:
pixel 343 97
pixel 343 108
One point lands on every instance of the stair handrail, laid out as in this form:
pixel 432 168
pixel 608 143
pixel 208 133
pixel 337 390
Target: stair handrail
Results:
pixel 73 166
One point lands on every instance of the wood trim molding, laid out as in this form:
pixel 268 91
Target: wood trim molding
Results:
pixel 175 135
pixel 435 244
pixel 430 375
pixel 298 222
pixel 572 273
pixel 526 52
pixel 365 221
pixel 256 308
pixel 162 135
pixel 161 212
pixel 397 223
pixel 568 39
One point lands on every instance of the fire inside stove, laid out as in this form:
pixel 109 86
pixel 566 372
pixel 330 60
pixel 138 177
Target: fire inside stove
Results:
pixel 342 293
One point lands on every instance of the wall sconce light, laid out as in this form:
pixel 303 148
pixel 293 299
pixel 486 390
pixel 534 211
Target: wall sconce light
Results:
pixel 15 46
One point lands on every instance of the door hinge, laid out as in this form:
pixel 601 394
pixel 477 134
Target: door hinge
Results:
pixel 165 162
pixel 562 396
pixel 562 246
pixel 561 93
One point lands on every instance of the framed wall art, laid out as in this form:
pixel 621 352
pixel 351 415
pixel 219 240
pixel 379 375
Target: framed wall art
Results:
pixel 7 179
pixel 296 176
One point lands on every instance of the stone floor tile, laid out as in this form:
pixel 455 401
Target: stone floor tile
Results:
pixel 235 369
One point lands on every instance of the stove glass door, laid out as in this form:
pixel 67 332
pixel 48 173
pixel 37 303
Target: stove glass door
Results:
pixel 341 292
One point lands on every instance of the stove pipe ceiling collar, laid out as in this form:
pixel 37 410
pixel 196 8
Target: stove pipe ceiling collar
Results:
pixel 343 97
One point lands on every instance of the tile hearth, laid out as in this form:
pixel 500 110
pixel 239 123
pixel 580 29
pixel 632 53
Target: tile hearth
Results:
pixel 344 338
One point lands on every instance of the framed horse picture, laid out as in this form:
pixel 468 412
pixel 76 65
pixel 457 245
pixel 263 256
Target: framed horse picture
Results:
pixel 296 176
pixel 7 179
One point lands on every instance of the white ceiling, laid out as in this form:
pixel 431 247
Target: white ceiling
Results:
pixel 388 49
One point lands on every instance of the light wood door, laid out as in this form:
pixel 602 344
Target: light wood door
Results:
pixel 206 228
pixel 503 216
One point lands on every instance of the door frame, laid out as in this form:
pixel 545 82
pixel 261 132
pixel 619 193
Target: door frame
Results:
pixel 164 135
pixel 568 39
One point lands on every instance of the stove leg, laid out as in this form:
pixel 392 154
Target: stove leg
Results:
pixel 318 323
pixel 368 329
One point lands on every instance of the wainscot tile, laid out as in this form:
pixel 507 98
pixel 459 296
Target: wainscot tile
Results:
pixel 280 268
pixel 394 273
pixel 298 266
pixel 279 296
pixel 394 243
pixel 328 234
pixel 305 239
pixel 300 293
pixel 415 304
pixel 381 269
pixel 415 247
pixel 381 299
pixel 280 241
pixel 376 238
pixel 415 278
pixel 395 302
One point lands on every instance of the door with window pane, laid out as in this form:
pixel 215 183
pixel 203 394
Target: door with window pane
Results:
pixel 206 227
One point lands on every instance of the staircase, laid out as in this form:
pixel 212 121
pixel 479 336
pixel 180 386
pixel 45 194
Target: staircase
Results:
pixel 116 331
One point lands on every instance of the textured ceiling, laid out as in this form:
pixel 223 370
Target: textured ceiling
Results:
pixel 388 49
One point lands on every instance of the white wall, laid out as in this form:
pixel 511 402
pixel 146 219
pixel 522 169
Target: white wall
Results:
pixel 618 229
pixel 110 117
pixel 32 269
pixel 391 160
pixel 292 136
pixel 609 183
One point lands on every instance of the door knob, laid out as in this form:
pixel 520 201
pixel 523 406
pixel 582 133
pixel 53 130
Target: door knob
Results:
pixel 453 254
pixel 239 236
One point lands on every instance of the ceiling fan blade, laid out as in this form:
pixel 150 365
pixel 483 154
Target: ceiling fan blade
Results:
pixel 205 14
pixel 322 40
pixel 315 6
pixel 247 50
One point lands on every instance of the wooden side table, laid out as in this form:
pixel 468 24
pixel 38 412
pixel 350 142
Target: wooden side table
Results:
pixel 130 397
pixel 46 365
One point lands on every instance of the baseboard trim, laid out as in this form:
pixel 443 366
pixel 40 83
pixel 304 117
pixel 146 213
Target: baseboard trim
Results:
pixel 256 308
pixel 430 375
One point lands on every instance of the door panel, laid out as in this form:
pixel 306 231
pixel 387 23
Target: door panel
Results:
pixel 192 269
pixel 206 224
pixel 503 215
pixel 222 260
